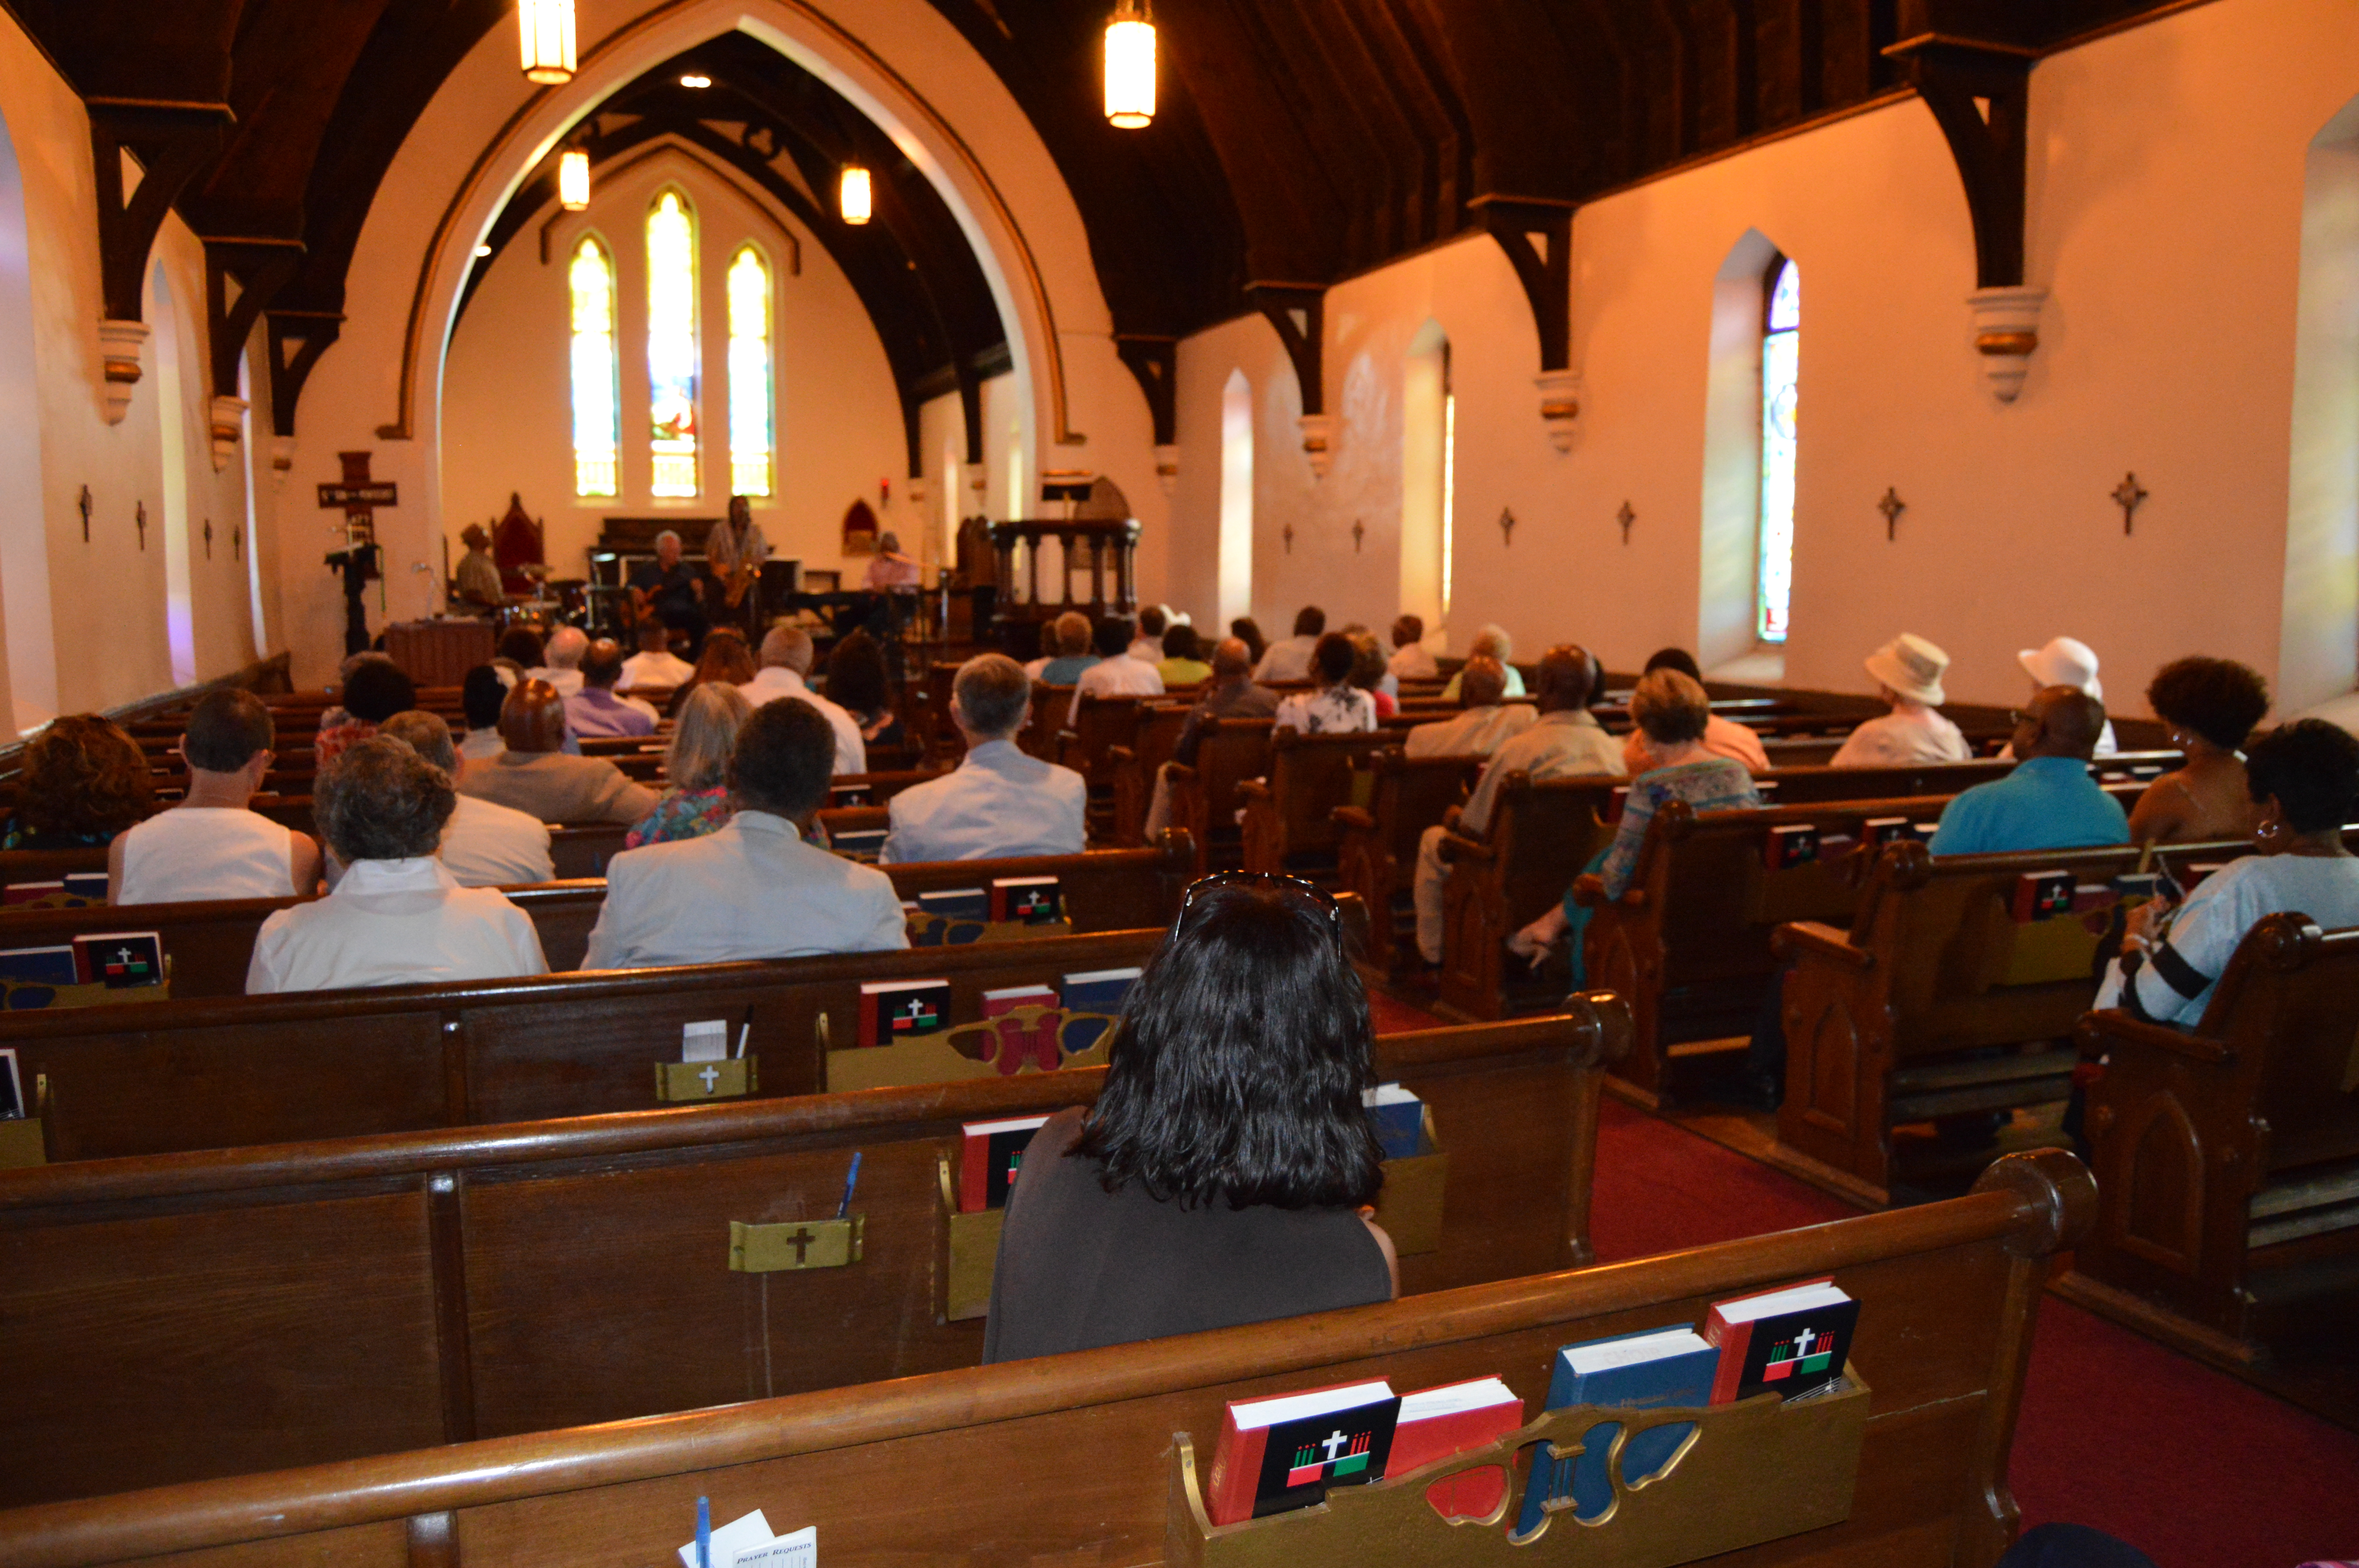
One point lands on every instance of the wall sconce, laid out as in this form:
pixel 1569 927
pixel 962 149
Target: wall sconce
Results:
pixel 1130 68
pixel 1319 442
pixel 2006 330
pixel 574 180
pixel 1560 406
pixel 855 195
pixel 545 31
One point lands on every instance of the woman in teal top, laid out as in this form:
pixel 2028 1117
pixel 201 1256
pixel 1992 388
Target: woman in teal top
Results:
pixel 1671 711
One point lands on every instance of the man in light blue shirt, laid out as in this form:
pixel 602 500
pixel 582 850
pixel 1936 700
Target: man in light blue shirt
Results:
pixel 2049 802
pixel 1000 802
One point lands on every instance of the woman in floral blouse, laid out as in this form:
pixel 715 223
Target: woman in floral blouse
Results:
pixel 697 767
pixel 1337 706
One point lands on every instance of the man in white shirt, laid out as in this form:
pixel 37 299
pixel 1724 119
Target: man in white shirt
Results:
pixel 1484 722
pixel 534 775
pixel 654 666
pixel 999 802
pixel 753 889
pixel 483 845
pixel 1410 660
pixel 595 709
pixel 563 671
pixel 1120 673
pixel 1564 741
pixel 480 696
pixel 1290 660
pixel 398 917
pixel 209 846
pixel 786 661
pixel 1910 670
pixel 1147 646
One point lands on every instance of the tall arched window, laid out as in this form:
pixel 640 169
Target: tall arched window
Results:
pixel 1781 340
pixel 750 418
pixel 1429 475
pixel 597 405
pixel 1235 556
pixel 173 422
pixel 671 344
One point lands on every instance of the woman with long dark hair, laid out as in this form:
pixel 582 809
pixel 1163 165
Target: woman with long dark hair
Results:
pixel 1225 1175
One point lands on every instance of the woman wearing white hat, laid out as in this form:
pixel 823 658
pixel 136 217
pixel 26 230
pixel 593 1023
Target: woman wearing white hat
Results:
pixel 1910 670
pixel 2066 661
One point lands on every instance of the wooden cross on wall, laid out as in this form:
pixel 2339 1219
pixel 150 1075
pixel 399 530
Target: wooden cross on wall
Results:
pixel 1892 506
pixel 82 505
pixel 140 518
pixel 1359 532
pixel 1507 525
pixel 1625 517
pixel 1287 534
pixel 209 538
pixel 2128 496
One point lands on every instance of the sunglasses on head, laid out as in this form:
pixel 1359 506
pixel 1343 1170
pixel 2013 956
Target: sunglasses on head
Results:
pixel 1219 879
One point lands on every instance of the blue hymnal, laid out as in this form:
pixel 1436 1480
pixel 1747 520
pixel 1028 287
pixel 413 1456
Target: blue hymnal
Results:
pixel 858 843
pixel 957 904
pixel 1398 1118
pixel 1094 990
pixel 1653 1368
pixel 91 885
pixel 39 966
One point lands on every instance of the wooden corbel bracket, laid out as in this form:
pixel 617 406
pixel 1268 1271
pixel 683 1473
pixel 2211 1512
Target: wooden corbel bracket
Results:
pixel 1979 90
pixel 1537 234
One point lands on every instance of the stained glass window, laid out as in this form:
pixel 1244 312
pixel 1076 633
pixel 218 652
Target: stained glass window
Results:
pixel 671 344
pixel 750 423
pixel 1780 377
pixel 597 422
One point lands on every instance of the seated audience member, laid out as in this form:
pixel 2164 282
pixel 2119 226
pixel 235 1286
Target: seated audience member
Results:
pixel 1908 671
pixel 1074 654
pixel 655 666
pixel 84 782
pixel 563 670
pixel 1490 642
pixel 483 845
pixel 698 768
pixel 1336 706
pixel 374 690
pixel 1564 741
pixel 535 775
pixel 1670 709
pixel 2212 706
pixel 2066 661
pixel 1722 737
pixel 1410 660
pixel 595 709
pixel 1116 673
pixel 1290 660
pixel 787 654
pixel 520 650
pixel 1226 1173
pixel 751 887
pixel 1368 672
pixel 1484 722
pixel 859 683
pixel 1234 695
pixel 1183 658
pixel 480 695
pixel 2048 801
pixel 397 916
pixel 209 846
pixel 1044 640
pixel 1246 630
pixel 999 802
pixel 1147 646
pixel 2304 777
pixel 726 660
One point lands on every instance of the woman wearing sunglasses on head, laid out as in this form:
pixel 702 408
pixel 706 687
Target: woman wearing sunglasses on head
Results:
pixel 1225 1174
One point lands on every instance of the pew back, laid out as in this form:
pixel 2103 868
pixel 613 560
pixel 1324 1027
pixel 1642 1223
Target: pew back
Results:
pixel 1289 817
pixel 1204 796
pixel 1377 843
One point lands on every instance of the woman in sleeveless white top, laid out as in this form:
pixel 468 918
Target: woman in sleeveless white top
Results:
pixel 198 852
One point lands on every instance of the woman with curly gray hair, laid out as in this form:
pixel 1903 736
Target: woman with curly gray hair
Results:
pixel 398 917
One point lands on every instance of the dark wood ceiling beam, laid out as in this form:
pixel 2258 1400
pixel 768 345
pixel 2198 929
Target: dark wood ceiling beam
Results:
pixel 298 339
pixel 260 267
pixel 172 140
pixel 1155 363
pixel 1298 313
pixel 1979 90
pixel 1538 237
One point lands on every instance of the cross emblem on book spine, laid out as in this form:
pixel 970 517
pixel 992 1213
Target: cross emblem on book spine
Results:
pixel 1333 1445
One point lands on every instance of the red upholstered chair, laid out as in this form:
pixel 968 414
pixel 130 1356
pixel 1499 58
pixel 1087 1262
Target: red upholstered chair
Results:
pixel 516 543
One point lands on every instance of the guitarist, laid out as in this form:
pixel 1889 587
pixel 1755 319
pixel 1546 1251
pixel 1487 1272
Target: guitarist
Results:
pixel 733 553
pixel 668 590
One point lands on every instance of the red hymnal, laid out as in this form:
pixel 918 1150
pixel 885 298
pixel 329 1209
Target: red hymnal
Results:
pixel 2039 895
pixel 1437 1423
pixel 1229 1485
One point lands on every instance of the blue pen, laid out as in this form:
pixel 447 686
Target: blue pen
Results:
pixel 704 1533
pixel 850 1180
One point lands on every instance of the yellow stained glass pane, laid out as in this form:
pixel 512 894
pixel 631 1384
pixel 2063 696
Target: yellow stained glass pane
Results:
pixel 671 345
pixel 597 405
pixel 751 423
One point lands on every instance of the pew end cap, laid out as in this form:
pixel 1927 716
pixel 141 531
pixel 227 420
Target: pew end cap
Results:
pixel 2058 1190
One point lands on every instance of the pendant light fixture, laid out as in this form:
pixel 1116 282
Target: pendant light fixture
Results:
pixel 545 29
pixel 1130 67
pixel 855 197
pixel 574 180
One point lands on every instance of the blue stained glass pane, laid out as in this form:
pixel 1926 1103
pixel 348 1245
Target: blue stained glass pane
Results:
pixel 1786 299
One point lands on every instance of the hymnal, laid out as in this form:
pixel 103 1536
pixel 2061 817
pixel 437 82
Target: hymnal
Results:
pixel 1788 1342
pixel 1016 1044
pixel 991 1154
pixel 1794 845
pixel 1878 831
pixel 1028 901
pixel 87 885
pixel 1398 1118
pixel 119 959
pixel 1094 991
pixel 30 893
pixel 864 844
pixel 956 903
pixel 2039 895
pixel 12 1088
pixel 894 1011
pixel 41 965
pixel 1650 1369
pixel 1284 1452
pixel 1435 1423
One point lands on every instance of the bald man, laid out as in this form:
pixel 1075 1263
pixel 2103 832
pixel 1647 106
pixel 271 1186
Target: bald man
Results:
pixel 2049 802
pixel 564 650
pixel 1486 721
pixel 786 662
pixel 1233 694
pixel 536 777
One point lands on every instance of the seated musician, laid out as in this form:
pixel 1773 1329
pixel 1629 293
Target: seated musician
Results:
pixel 563 670
pixel 483 845
pixel 535 775
pixel 1722 737
pixel 2212 706
pixel 84 783
pixel 753 889
pixel 2048 801
pixel 1227 1171
pixel 1908 672
pixel 1490 642
pixel 480 695
pixel 1485 719
pixel 374 690
pixel 397 916
pixel 786 665
pixel 595 709
pixel 1234 695
pixel 1564 741
pixel 655 666
pixel 1410 660
pixel 1335 707
pixel 1153 621
pixel 668 593
pixel 476 581
pixel 1072 637
pixel 890 571
pixel 1116 673
pixel 1290 660
pixel 698 768
pixel 2304 778
pixel 1181 662
pixel 209 846
pixel 1000 802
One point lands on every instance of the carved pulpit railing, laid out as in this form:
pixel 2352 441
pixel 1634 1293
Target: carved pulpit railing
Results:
pixel 1108 549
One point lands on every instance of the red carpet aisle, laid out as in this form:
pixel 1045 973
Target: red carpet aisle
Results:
pixel 2195 1468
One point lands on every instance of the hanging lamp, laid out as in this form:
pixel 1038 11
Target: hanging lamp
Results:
pixel 545 31
pixel 1130 67
pixel 856 196
pixel 574 180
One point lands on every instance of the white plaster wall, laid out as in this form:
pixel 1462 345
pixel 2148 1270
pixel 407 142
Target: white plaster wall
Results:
pixel 2167 185
pixel 507 419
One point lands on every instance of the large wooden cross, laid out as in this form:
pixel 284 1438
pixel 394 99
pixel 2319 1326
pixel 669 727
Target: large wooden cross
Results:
pixel 358 497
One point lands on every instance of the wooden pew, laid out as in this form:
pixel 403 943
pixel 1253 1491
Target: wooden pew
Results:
pixel 2228 1159
pixel 1094 728
pixel 1290 822
pixel 1049 706
pixel 1538 838
pixel 1377 843
pixel 1135 766
pixel 1949 1294
pixel 1204 800
pixel 603 1296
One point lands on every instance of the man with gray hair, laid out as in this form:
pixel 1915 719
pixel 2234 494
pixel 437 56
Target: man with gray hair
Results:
pixel 563 651
pixel 1490 642
pixel 1000 802
pixel 484 844
pixel 669 591
pixel 786 663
